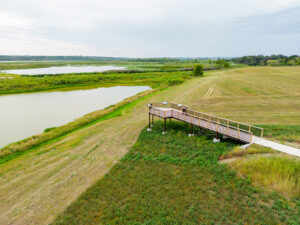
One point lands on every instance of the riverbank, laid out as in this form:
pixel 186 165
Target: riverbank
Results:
pixel 21 147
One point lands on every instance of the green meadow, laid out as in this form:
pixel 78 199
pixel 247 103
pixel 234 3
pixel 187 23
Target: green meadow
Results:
pixel 176 179
pixel 105 168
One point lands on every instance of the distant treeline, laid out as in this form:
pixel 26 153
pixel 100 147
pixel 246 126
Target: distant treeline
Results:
pixel 255 60
pixel 92 58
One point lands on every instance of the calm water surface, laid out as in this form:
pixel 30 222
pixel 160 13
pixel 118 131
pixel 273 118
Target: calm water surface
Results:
pixel 24 115
pixel 63 69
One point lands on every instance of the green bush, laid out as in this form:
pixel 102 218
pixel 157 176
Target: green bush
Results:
pixel 175 81
pixel 198 70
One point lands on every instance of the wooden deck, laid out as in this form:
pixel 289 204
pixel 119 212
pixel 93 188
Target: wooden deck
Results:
pixel 232 129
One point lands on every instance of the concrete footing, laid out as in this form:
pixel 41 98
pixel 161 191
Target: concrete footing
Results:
pixel 216 140
pixel 164 132
pixel 246 146
pixel 191 135
pixel 149 129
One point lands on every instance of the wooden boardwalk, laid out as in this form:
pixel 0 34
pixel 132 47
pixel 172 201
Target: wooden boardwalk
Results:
pixel 232 129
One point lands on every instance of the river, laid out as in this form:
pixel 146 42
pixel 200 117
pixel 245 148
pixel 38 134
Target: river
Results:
pixel 24 115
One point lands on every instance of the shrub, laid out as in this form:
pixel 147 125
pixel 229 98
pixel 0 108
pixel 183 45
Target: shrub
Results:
pixel 198 70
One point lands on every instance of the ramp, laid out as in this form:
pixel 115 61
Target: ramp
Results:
pixel 232 129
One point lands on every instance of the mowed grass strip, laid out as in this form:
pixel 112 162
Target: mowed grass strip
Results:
pixel 289 133
pixel 176 179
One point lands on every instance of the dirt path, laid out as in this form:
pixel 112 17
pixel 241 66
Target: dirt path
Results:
pixel 37 186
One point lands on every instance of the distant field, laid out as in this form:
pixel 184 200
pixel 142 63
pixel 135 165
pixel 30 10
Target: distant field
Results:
pixel 35 187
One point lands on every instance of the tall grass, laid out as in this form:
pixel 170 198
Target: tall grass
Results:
pixel 253 149
pixel 290 133
pixel 176 179
pixel 281 173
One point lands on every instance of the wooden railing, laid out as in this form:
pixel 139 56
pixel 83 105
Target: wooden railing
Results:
pixel 257 131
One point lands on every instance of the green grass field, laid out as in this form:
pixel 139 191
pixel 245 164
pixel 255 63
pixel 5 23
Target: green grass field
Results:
pixel 176 179
pixel 37 186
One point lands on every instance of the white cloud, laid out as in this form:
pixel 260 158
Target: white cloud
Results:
pixel 10 20
pixel 130 27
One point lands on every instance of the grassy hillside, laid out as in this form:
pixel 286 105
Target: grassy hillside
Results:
pixel 175 179
pixel 38 185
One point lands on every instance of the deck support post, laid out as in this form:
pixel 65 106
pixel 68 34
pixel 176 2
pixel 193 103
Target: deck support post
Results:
pixel 165 125
pixel 191 133
pixel 149 128
pixel 216 139
pixel 152 119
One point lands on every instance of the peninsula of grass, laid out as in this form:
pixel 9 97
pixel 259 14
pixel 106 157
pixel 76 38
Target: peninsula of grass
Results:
pixel 176 179
pixel 22 84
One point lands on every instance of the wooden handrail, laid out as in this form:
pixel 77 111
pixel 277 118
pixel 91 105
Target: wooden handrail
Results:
pixel 212 117
pixel 227 126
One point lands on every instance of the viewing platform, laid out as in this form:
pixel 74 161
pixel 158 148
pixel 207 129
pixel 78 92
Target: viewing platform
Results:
pixel 221 126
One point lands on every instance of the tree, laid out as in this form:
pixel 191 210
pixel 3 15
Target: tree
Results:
pixel 198 70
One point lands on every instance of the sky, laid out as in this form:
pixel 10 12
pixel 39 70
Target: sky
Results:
pixel 150 28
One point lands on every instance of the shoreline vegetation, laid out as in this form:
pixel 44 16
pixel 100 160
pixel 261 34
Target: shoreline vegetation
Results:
pixel 137 73
pixel 24 84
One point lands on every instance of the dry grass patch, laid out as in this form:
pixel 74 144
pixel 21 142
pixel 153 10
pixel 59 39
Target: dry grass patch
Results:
pixel 253 149
pixel 280 173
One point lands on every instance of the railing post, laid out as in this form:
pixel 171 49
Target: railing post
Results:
pixel 208 121
pixel 227 127
pixel 218 124
pixel 262 133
